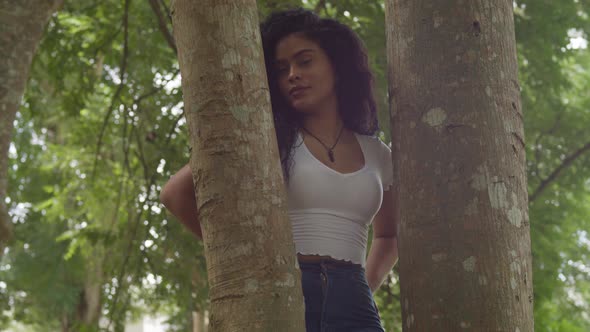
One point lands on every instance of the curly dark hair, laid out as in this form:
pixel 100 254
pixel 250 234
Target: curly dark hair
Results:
pixel 348 56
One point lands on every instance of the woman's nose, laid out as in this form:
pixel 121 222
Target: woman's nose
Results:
pixel 293 74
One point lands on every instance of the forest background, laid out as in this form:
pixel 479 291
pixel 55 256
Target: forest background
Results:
pixel 100 130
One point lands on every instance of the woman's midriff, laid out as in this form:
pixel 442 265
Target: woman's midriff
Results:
pixel 318 259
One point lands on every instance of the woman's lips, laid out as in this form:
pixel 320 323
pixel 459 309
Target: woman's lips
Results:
pixel 298 92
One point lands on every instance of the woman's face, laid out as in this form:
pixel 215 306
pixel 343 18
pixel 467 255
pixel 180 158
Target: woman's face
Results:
pixel 305 73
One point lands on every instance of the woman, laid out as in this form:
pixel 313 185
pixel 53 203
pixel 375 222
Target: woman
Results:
pixel 338 174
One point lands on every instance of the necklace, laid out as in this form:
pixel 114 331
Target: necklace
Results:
pixel 329 150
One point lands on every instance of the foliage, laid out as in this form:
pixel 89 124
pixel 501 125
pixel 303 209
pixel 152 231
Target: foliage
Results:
pixel 101 129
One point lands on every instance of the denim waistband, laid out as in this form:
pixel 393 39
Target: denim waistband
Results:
pixel 331 264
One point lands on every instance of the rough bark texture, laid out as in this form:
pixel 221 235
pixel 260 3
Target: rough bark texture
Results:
pixel 252 268
pixel 459 155
pixel 21 26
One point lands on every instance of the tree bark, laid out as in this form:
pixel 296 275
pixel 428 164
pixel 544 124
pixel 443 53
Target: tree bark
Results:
pixel 21 27
pixel 252 269
pixel 459 157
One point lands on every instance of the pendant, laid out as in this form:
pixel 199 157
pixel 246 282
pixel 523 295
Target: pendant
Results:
pixel 331 155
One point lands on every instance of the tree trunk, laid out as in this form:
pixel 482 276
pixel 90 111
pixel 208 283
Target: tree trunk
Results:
pixel 64 323
pixel 89 306
pixel 252 269
pixel 199 321
pixel 21 27
pixel 459 157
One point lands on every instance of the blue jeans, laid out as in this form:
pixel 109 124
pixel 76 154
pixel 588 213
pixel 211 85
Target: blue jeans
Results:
pixel 338 298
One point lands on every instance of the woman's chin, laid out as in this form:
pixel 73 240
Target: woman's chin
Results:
pixel 300 105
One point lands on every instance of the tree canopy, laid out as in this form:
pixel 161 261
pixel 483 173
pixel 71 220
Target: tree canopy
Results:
pixel 101 129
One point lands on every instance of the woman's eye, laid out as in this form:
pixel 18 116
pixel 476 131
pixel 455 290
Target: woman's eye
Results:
pixel 305 62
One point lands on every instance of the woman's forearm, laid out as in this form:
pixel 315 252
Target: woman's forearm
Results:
pixel 382 258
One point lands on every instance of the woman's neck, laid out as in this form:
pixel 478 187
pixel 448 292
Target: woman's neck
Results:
pixel 325 126
pixel 325 123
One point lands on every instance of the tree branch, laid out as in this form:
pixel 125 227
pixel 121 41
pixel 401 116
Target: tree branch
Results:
pixel 173 128
pixel 566 163
pixel 133 233
pixel 123 70
pixel 155 90
pixel 163 25
pixel 538 141
pixel 167 10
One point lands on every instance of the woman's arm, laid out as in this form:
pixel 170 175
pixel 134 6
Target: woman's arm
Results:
pixel 178 196
pixel 383 253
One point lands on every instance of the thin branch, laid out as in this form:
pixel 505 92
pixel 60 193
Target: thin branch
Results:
pixel 141 156
pixel 167 10
pixel 123 70
pixel 135 224
pixel 538 141
pixel 121 275
pixel 156 89
pixel 149 262
pixel 150 180
pixel 150 184
pixel 162 24
pixel 125 140
pixel 111 226
pixel 566 163
pixel 125 305
pixel 107 40
pixel 173 128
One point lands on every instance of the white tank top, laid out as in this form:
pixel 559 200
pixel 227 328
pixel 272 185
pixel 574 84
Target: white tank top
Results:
pixel 330 212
